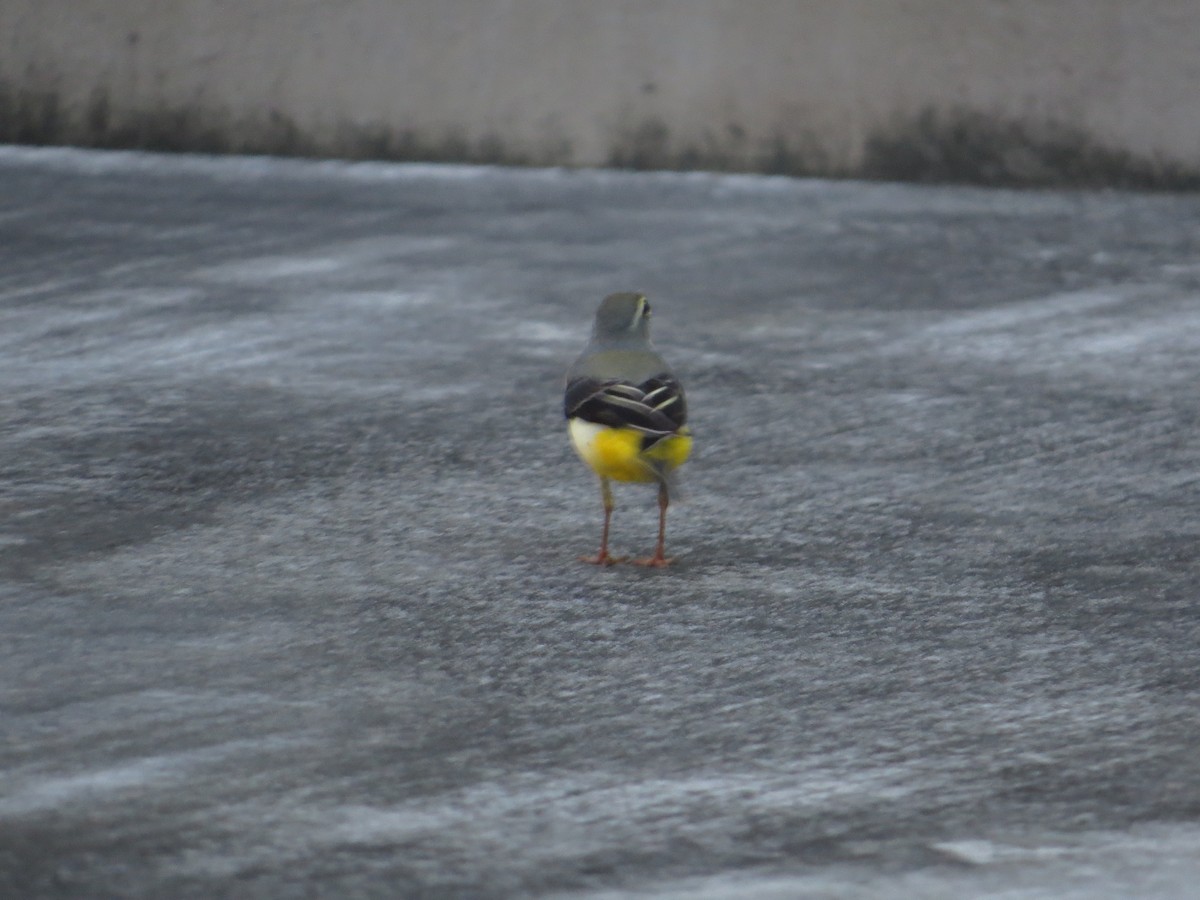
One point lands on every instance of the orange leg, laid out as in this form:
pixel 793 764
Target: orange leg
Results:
pixel 603 558
pixel 658 560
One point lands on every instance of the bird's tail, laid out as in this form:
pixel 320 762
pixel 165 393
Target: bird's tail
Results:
pixel 669 479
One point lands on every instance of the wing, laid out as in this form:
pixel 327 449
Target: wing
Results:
pixel 656 407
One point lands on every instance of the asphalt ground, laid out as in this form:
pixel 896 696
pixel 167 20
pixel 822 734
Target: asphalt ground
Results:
pixel 290 602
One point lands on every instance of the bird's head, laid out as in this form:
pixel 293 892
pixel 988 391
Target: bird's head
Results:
pixel 623 316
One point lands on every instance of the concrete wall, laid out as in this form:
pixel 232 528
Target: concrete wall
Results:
pixel 1028 91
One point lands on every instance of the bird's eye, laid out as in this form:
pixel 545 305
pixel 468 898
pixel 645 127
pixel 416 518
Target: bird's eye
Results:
pixel 645 307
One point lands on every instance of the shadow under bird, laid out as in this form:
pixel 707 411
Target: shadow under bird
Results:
pixel 626 413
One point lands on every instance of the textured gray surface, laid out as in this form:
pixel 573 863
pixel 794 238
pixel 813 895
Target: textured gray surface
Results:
pixel 289 603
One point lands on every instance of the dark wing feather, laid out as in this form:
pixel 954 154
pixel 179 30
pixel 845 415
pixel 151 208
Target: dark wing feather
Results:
pixel 656 407
pixel 665 394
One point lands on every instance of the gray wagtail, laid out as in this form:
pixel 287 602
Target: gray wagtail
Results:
pixel 626 413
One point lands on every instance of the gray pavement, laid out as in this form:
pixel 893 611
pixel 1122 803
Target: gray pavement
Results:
pixel 289 599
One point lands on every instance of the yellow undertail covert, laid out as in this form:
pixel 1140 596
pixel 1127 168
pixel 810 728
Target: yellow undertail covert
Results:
pixel 617 453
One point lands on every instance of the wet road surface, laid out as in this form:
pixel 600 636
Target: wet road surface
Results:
pixel 289 599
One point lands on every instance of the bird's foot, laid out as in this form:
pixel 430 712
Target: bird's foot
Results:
pixel 602 559
pixel 654 562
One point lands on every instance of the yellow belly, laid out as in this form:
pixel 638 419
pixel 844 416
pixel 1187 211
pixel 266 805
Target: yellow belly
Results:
pixel 617 452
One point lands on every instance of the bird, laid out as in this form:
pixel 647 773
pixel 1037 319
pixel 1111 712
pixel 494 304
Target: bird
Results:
pixel 626 413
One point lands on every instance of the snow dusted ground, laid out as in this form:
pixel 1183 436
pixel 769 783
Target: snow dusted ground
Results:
pixel 289 603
